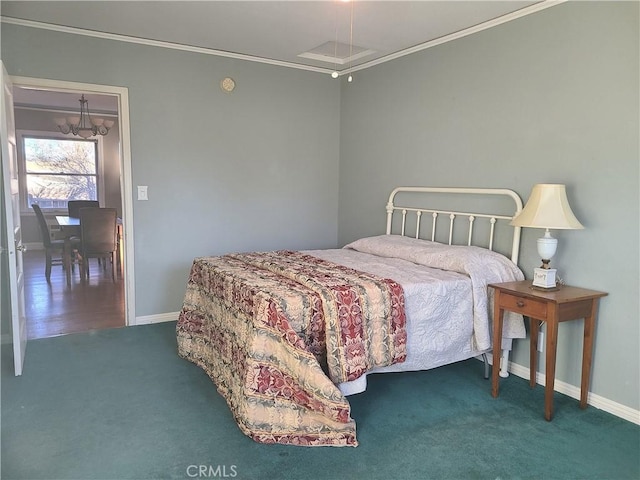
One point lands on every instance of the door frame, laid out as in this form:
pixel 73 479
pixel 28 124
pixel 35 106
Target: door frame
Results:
pixel 126 189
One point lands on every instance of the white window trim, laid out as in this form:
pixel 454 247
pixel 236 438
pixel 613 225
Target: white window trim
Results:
pixel 22 176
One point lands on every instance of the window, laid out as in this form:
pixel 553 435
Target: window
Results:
pixel 57 170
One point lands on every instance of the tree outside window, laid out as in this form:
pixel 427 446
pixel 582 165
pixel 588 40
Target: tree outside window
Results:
pixel 58 170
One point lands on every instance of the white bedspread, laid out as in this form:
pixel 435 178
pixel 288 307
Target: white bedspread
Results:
pixel 447 302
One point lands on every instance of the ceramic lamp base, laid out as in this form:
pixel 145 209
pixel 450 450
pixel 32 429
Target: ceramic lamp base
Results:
pixel 544 277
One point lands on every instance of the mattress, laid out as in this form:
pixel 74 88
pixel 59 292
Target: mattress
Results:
pixel 438 303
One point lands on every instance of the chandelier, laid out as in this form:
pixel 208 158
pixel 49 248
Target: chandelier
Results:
pixel 84 125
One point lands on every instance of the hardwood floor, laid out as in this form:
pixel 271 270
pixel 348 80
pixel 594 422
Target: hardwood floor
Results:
pixel 56 309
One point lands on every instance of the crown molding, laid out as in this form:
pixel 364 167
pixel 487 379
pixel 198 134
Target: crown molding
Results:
pixel 542 5
pixel 523 12
pixel 156 43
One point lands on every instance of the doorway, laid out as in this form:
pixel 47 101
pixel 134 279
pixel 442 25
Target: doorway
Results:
pixel 56 308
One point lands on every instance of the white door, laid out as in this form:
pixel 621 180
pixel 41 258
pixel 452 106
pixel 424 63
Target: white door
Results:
pixel 11 202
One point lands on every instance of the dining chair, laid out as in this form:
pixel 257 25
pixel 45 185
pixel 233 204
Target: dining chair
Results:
pixel 74 206
pixel 54 249
pixel 98 238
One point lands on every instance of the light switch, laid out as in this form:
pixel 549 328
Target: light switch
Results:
pixel 142 192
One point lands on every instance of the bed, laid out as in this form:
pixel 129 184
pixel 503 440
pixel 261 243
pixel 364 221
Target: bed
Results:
pixel 287 336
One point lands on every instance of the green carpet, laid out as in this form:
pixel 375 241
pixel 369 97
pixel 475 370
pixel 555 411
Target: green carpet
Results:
pixel 121 404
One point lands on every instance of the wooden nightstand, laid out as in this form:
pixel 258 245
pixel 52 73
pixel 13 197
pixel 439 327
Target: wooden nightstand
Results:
pixel 566 303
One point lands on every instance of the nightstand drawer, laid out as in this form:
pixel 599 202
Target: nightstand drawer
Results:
pixel 525 306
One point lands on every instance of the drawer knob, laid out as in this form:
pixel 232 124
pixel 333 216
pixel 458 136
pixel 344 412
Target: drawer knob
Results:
pixel 520 303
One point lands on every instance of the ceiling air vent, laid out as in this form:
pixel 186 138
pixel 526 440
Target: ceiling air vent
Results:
pixel 337 53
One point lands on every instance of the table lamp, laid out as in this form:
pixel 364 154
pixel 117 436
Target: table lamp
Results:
pixel 547 208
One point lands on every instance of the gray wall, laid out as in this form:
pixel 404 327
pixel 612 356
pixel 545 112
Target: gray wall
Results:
pixel 549 98
pixel 552 97
pixel 255 169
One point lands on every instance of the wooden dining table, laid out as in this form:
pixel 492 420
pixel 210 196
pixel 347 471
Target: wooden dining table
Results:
pixel 70 227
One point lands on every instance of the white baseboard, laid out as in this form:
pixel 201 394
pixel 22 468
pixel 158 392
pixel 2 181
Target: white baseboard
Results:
pixel 594 400
pixel 159 318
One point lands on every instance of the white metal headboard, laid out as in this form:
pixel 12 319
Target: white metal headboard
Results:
pixel 453 215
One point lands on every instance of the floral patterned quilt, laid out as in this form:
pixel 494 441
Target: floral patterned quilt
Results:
pixel 276 331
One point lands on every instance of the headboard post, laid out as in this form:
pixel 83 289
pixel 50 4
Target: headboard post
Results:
pixel 389 213
pixel 515 247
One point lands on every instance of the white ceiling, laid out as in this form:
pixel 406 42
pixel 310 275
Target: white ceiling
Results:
pixel 276 31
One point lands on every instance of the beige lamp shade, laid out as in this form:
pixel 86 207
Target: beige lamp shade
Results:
pixel 548 208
